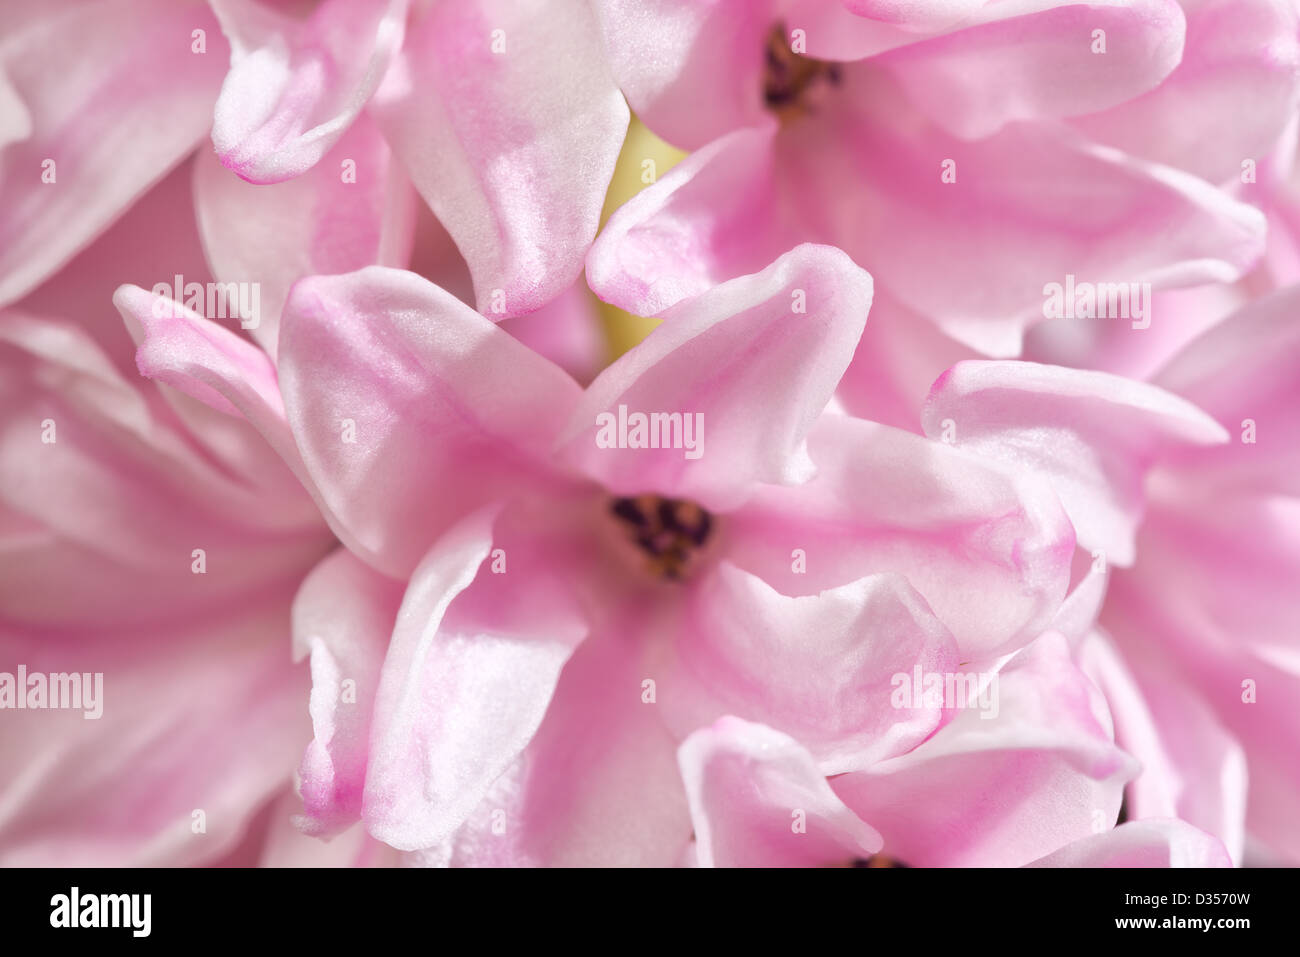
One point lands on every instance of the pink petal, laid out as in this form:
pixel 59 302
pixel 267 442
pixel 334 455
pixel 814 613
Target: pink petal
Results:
pixel 1151 843
pixel 1077 616
pixel 450 412
pixel 317 223
pixel 856 29
pixel 1228 624
pixel 1192 768
pixel 435 257
pixel 513 150
pixel 1177 316
pixel 154 240
pixel 1242 372
pixel 940 249
pixel 818 668
pixel 704 76
pixel 1218 609
pixel 201 358
pixel 124 494
pixel 208 363
pixel 123 789
pixel 1041 65
pixel 1015 191
pixel 284 845
pixel 691 70
pixel 1094 434
pixel 343 617
pixel 751 789
pixel 750 364
pixel 459 697
pixel 1001 791
pixel 294 86
pixel 136 104
pixel 706 221
pixel 916 14
pixel 989 552
pixel 567 330
pixel 1228 100
pixel 900 355
pixel 598 786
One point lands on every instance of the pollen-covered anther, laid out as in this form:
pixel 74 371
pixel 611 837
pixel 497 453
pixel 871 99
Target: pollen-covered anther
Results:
pixel 670 532
pixel 792 82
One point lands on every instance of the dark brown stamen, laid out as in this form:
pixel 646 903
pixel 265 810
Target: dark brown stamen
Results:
pixel 628 511
pixel 669 531
pixel 877 860
pixel 791 79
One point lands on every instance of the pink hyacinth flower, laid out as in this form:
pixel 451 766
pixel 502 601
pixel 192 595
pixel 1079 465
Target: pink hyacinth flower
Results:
pixel 509 583
pixel 928 144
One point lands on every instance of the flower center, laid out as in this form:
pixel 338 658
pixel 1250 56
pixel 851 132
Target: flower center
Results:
pixel 669 532
pixel 793 83
pixel 877 860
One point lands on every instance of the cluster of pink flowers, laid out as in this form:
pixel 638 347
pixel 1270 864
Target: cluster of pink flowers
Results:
pixel 950 516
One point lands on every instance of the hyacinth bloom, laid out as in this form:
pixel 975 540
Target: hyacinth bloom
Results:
pixel 389 571
pixel 501 115
pixel 521 605
pixel 744 780
pixel 148 542
pixel 109 486
pixel 847 143
pixel 756 796
pixel 896 134
pixel 1205 618
pixel 1196 644
pixel 1226 114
